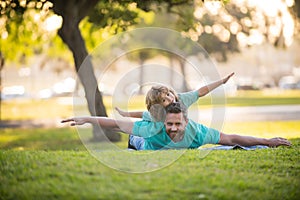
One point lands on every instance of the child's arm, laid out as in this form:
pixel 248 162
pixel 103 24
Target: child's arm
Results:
pixel 125 126
pixel 134 114
pixel 210 87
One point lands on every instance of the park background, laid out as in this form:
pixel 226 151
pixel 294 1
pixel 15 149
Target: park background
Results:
pixel 259 41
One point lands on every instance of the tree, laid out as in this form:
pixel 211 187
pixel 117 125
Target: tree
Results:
pixel 72 13
pixel 208 28
pixel 101 13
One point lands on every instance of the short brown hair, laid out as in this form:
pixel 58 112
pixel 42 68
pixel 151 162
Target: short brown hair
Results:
pixel 177 107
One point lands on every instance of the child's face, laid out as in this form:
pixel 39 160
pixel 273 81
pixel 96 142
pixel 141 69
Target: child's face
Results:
pixel 167 99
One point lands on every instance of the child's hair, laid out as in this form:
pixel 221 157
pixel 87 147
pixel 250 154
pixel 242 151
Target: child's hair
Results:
pixel 154 95
pixel 154 100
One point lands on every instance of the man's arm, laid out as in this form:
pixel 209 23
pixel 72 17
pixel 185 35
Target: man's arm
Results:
pixel 134 114
pixel 226 139
pixel 210 87
pixel 125 126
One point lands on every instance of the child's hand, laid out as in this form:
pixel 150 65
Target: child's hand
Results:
pixel 121 112
pixel 227 78
pixel 75 121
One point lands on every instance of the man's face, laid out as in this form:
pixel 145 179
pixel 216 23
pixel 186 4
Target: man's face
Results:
pixel 175 125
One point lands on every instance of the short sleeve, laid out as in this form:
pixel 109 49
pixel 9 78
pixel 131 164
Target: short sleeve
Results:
pixel 188 98
pixel 146 129
pixel 212 136
pixel 146 116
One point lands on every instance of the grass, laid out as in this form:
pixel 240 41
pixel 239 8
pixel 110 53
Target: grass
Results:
pixel 261 174
pixel 52 163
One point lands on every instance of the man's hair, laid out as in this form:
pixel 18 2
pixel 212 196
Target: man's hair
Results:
pixel 177 107
pixel 154 95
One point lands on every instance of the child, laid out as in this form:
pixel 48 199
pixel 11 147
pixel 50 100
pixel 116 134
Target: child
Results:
pixel 161 95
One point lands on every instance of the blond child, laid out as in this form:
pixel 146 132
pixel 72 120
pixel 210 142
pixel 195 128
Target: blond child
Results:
pixel 161 96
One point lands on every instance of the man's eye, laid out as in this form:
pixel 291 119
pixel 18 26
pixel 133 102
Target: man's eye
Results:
pixel 168 94
pixel 163 100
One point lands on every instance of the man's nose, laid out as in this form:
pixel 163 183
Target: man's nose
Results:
pixel 174 128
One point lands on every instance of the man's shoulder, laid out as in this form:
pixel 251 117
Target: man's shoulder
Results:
pixel 193 126
pixel 145 128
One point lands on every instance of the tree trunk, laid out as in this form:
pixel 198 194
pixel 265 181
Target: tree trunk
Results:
pixel 71 35
pixel 141 79
pixel 184 86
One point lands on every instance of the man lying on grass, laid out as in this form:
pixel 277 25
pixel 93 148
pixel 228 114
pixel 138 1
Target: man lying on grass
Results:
pixel 178 132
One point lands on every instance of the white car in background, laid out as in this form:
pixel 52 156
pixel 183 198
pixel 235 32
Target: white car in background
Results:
pixel 289 82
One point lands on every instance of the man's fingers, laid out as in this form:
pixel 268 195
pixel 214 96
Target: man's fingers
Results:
pixel 67 120
pixel 281 141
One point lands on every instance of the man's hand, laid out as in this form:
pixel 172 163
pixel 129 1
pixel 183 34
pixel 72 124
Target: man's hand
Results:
pixel 278 141
pixel 75 121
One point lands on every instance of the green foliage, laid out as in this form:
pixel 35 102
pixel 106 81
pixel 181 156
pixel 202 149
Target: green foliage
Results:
pixel 113 13
pixel 22 32
pixel 212 30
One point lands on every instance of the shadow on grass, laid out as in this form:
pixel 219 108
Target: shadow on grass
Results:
pixel 45 139
pixel 40 139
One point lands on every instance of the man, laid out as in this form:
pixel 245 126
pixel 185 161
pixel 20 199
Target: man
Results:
pixel 177 132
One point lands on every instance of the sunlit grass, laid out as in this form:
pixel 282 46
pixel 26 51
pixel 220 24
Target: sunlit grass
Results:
pixel 69 174
pixel 40 139
pixel 34 109
pixel 53 163
pixel 58 108
pixel 267 129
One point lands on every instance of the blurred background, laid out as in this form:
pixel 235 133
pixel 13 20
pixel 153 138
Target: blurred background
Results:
pixel 43 43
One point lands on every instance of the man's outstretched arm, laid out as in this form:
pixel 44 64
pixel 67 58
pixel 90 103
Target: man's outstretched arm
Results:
pixel 105 122
pixel 226 139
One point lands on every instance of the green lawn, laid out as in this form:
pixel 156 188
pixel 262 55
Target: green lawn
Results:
pixel 260 174
pixel 52 163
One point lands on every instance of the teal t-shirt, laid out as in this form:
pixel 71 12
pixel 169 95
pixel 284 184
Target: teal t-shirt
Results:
pixel 195 136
